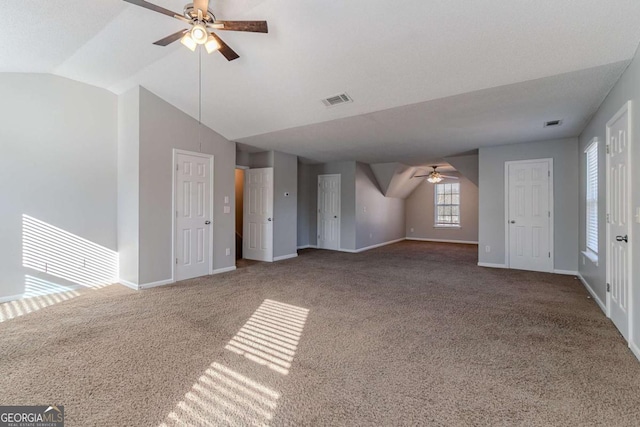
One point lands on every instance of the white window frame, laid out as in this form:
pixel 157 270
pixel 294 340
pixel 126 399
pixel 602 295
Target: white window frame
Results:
pixel 591 201
pixel 436 224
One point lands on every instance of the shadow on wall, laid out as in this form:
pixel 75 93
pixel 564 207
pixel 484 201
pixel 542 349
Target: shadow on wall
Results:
pixel 56 252
pixel 224 396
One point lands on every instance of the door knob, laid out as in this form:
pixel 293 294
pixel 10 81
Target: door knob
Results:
pixel 512 222
pixel 622 238
pixel 268 219
pixel 207 222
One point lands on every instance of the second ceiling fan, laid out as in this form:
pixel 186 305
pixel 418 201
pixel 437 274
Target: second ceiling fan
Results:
pixel 202 21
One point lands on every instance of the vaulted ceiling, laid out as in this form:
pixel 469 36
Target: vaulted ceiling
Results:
pixel 429 78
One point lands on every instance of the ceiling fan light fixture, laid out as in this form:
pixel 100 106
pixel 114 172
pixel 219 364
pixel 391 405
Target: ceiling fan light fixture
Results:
pixel 188 42
pixel 212 44
pixel 199 34
pixel 434 177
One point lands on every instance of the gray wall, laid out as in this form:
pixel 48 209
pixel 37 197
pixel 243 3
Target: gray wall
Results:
pixel 379 219
pixel 163 128
pixel 627 88
pixel 421 210
pixel 59 148
pixel 128 184
pixel 285 208
pixel 564 153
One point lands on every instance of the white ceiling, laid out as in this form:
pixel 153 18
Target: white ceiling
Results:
pixel 384 54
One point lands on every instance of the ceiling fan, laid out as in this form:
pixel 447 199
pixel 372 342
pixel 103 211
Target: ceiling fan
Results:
pixel 202 21
pixel 434 176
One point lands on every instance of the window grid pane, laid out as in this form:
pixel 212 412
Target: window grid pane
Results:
pixel 447 204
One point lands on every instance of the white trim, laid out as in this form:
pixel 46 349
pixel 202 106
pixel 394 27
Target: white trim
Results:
pixel 357 251
pixel 128 284
pixel 211 158
pixel 242 167
pixel 634 349
pixel 155 284
pixel 224 270
pixel 307 247
pixel 491 265
pixel 11 298
pixel 566 272
pixel 590 256
pixel 595 296
pixel 464 242
pixel 283 257
pixel 551 210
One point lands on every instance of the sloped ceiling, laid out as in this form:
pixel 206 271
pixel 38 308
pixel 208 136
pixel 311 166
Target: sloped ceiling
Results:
pixel 467 165
pixel 395 179
pixel 500 65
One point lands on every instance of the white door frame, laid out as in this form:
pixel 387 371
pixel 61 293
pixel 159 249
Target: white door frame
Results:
pixel 174 189
pixel 626 108
pixel 507 261
pixel 339 210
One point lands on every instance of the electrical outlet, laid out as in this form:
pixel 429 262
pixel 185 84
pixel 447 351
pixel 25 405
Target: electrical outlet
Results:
pixel 487 248
pixel 228 251
pixel 364 209
pixel 412 229
pixel 371 235
pixel 227 209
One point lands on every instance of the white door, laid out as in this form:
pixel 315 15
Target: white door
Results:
pixel 193 186
pixel 618 236
pixel 529 215
pixel 257 233
pixel 329 212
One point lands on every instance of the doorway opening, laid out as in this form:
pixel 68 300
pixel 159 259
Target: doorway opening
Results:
pixel 239 209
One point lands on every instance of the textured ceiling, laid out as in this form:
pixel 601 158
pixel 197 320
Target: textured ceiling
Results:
pixel 384 54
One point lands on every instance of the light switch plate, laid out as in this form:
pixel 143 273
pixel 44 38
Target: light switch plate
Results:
pixel 638 215
pixel 227 209
pixel 226 199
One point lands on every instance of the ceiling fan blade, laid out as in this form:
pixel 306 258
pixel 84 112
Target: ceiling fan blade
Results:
pixel 203 5
pixel 250 26
pixel 170 39
pixel 150 6
pixel 419 176
pixel 450 177
pixel 225 50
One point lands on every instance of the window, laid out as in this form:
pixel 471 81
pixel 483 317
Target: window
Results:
pixel 592 197
pixel 447 205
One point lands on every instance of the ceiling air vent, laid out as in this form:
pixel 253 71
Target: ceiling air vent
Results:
pixel 552 123
pixel 332 101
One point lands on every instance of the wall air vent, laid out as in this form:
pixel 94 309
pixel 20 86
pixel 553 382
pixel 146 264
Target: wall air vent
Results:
pixel 332 101
pixel 552 123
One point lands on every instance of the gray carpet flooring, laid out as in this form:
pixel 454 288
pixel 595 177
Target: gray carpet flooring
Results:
pixel 408 334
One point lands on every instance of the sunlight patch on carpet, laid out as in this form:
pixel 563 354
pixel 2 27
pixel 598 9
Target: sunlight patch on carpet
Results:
pixel 271 335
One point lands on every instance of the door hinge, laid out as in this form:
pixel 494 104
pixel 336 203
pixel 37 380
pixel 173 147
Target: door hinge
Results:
pixel 607 218
pixel 176 260
pixel 177 166
pixel 549 174
pixel 608 148
pixel 549 254
pixel 608 287
pixel 549 212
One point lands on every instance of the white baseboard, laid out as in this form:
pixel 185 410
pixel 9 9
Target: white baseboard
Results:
pixel 357 251
pixel 224 269
pixel 464 242
pixel 490 265
pixel 129 284
pixel 635 349
pixel 155 284
pixel 595 297
pixel 10 298
pixel 283 257
pixel 566 272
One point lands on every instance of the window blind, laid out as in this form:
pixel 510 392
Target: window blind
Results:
pixel 592 197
